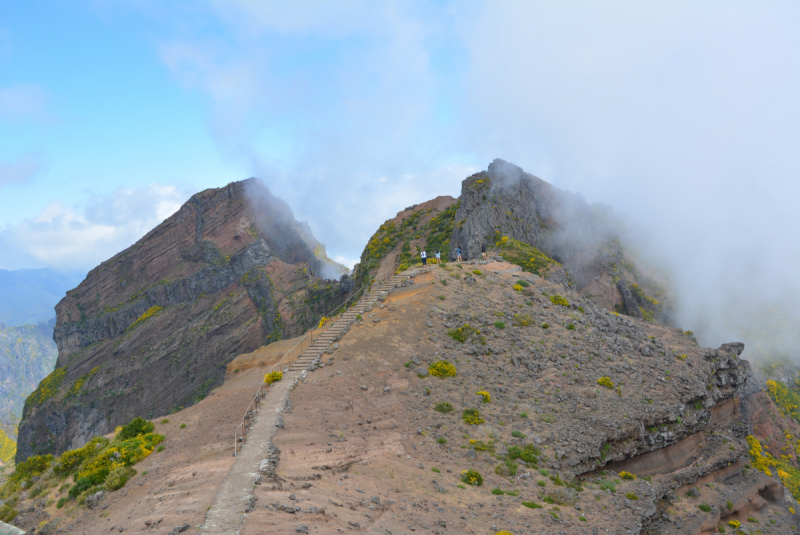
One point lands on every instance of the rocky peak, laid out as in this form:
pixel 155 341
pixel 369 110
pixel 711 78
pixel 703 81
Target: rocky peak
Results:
pixel 152 328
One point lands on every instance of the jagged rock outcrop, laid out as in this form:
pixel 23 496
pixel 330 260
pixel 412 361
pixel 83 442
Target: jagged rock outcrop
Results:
pixel 152 329
pixel 505 201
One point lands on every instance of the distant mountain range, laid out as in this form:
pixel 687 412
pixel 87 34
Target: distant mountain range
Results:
pixel 29 296
pixel 27 351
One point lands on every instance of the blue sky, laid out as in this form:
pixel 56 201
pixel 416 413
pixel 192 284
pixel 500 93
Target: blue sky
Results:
pixel 683 116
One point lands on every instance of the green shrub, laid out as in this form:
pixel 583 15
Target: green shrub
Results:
pixel 522 320
pixel 499 324
pixel 704 507
pixel 136 427
pixel 542 483
pixel 631 496
pixel 570 327
pixel 523 415
pixel 532 505
pixel 441 440
pixel 62 502
pixel 497 492
pixel 523 283
pixel 472 416
pixel 80 486
pixel 183 426
pixel 545 326
pixel 608 485
pixel 118 477
pixel 443 407
pixel 517 434
pixel 471 477
pixel 560 497
pixel 462 333
pixel 547 418
pixel 7 513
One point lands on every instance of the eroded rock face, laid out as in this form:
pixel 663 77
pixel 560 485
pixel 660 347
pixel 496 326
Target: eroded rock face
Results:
pixel 152 329
pixel 506 200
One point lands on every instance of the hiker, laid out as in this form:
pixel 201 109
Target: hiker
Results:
pixel 458 254
pixel 483 250
pixel 424 256
pixel 438 257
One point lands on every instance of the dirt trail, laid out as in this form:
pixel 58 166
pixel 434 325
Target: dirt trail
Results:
pixel 176 486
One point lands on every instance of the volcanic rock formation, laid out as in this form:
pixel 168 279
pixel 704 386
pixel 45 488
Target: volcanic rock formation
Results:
pixel 151 330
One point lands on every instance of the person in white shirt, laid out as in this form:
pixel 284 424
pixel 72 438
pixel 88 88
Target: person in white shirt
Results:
pixel 424 256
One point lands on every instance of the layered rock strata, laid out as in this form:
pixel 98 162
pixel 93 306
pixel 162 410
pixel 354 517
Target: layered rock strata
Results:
pixel 151 330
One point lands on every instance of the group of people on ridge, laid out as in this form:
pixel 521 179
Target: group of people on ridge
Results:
pixel 424 255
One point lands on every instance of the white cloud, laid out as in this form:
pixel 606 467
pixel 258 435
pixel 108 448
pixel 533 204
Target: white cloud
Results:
pixel 20 170
pixel 683 116
pixel 81 238
pixel 24 102
pixel 347 262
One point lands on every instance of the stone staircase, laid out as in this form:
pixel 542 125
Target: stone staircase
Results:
pixel 235 497
pixel 310 357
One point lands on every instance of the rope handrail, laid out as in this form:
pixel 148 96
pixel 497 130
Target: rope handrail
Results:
pixel 258 395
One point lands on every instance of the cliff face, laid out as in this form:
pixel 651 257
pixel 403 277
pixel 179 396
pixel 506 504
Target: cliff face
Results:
pixel 151 330
pixel 505 201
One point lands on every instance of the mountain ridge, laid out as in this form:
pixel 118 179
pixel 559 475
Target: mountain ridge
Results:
pixel 227 273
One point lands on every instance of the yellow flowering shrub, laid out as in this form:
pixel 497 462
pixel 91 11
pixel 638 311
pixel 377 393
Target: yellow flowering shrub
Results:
pixel 504 532
pixel 734 524
pixel 517 287
pixel 480 445
pixel 322 321
pixel 558 300
pixel 8 448
pixel 273 377
pixel 47 388
pixel 78 385
pixel 462 333
pixel 471 477
pixel 787 400
pixel 486 396
pixel 69 460
pixel 149 313
pixel 522 320
pixel 442 369
pixel 606 382
pixel 125 453
pixel 760 461
pixel 472 417
pixel 627 475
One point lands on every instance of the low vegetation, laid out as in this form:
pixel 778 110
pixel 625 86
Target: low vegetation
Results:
pixel 442 369
pixel 101 465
